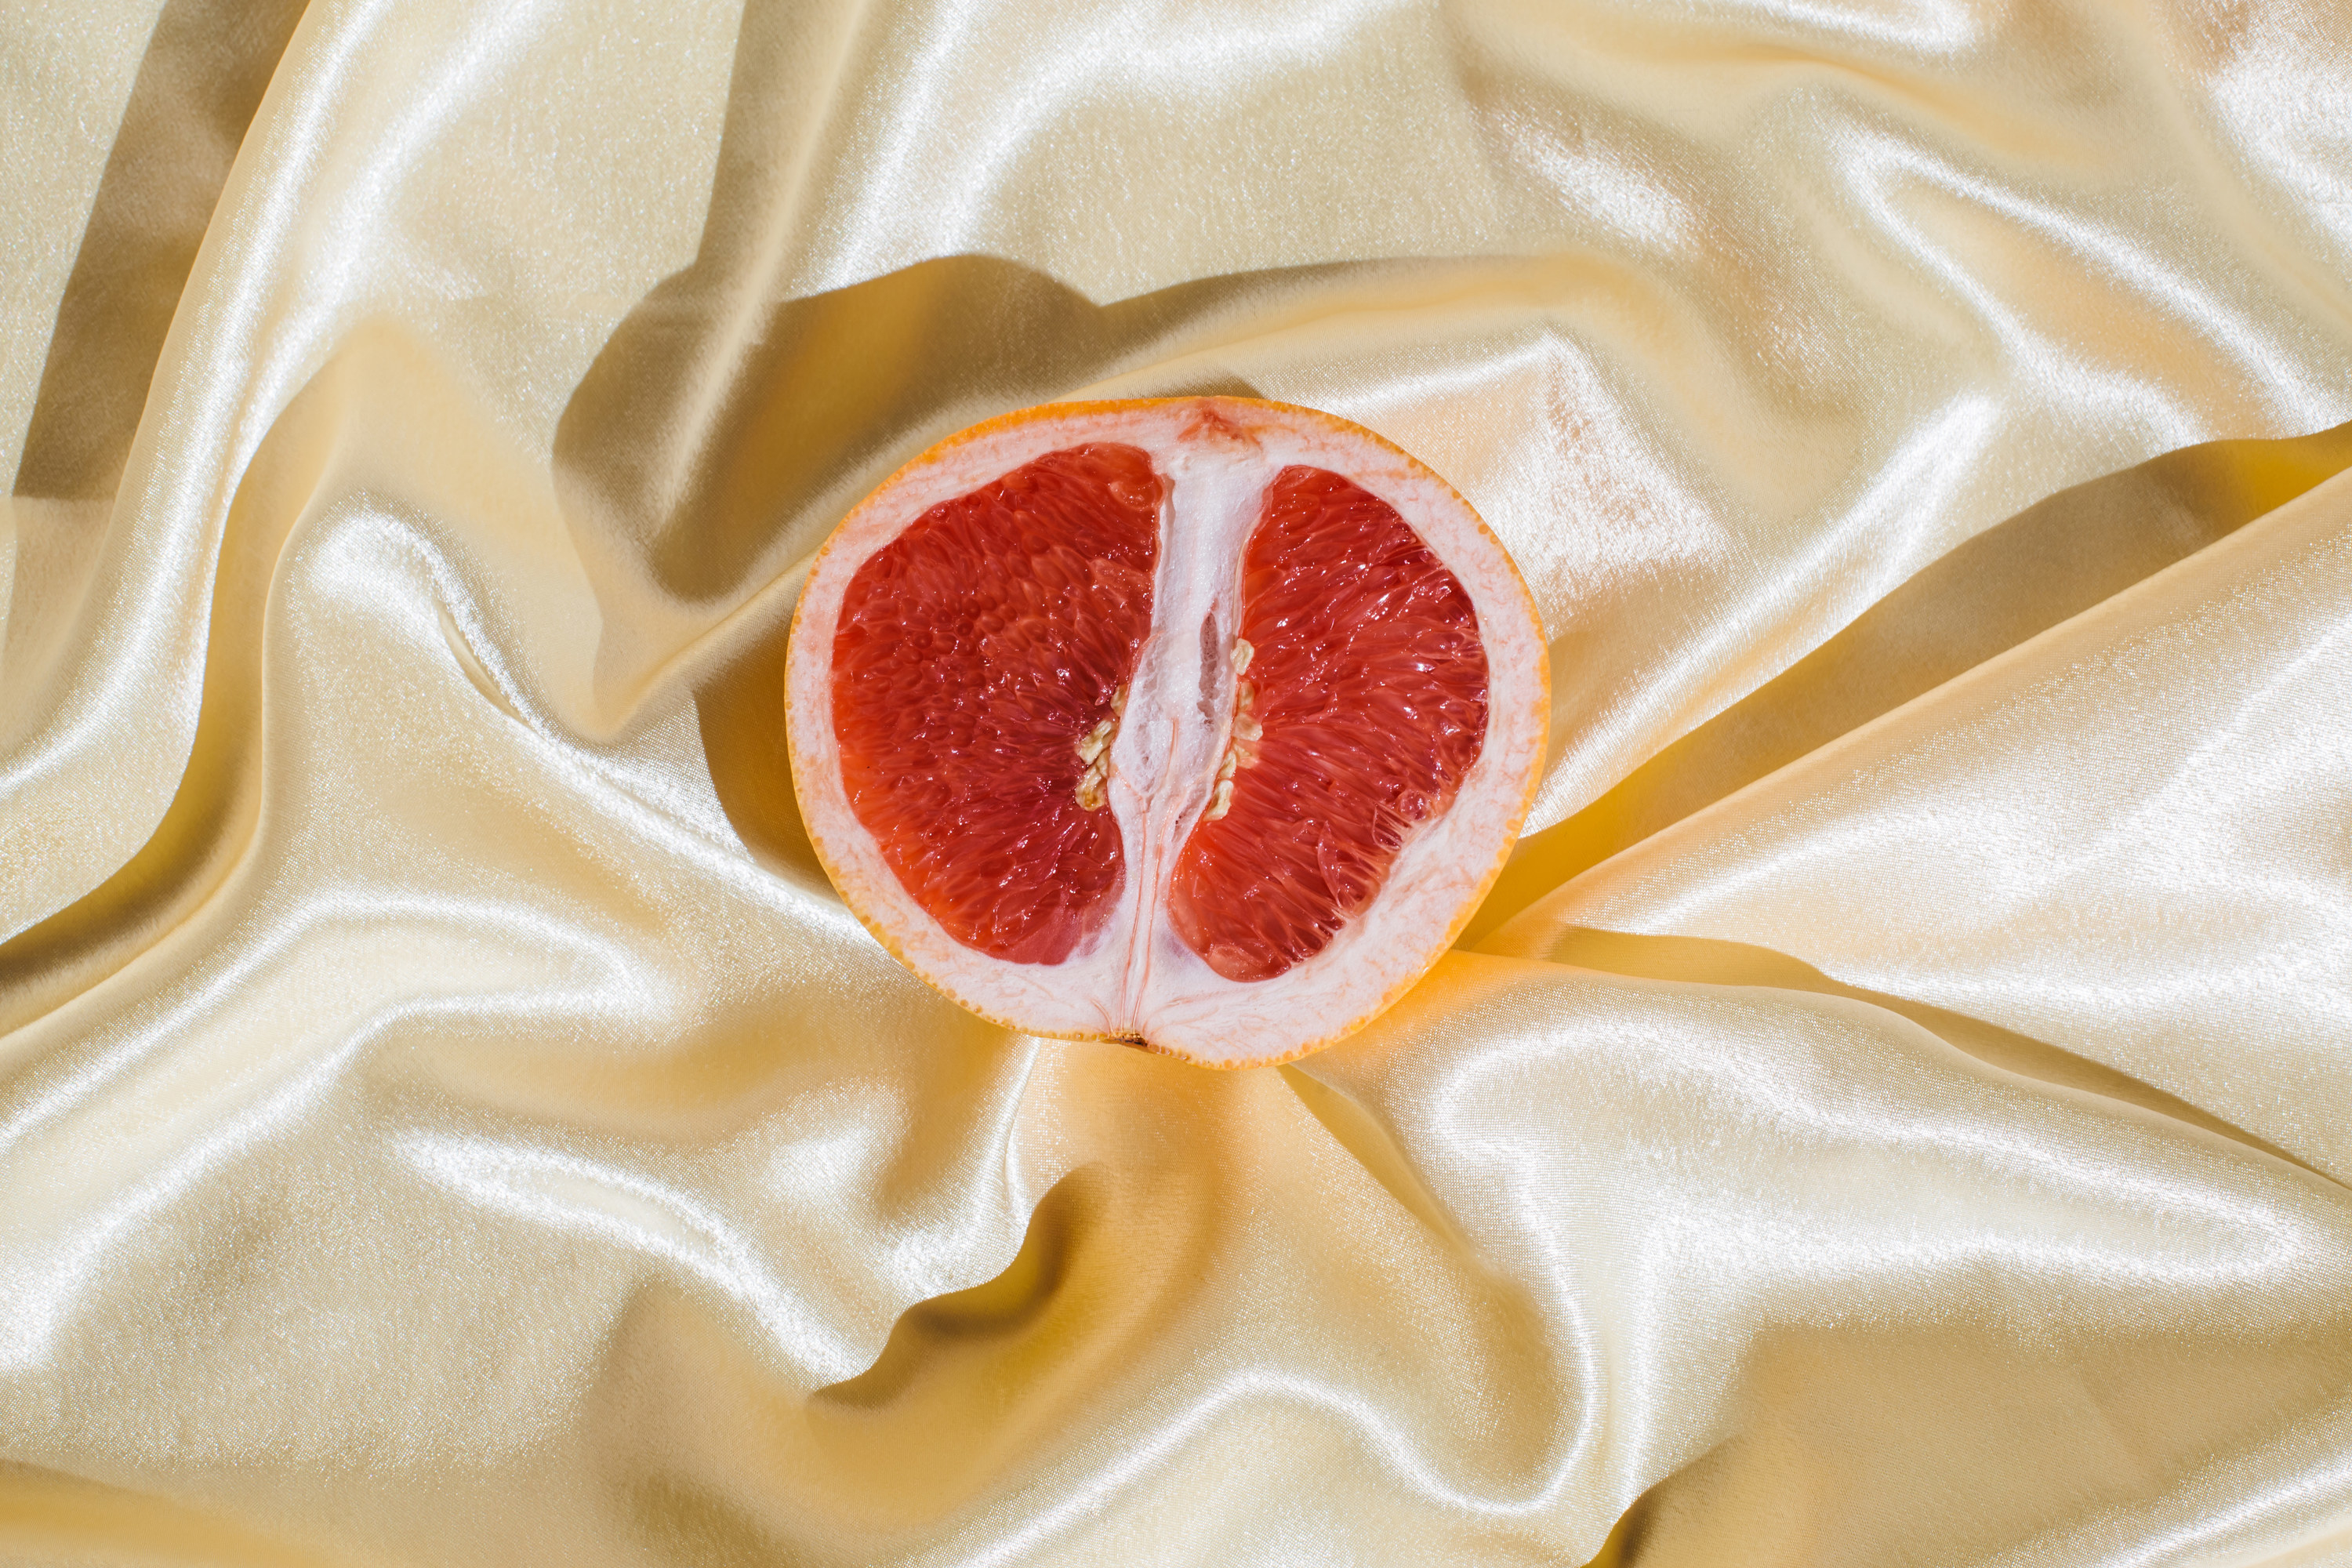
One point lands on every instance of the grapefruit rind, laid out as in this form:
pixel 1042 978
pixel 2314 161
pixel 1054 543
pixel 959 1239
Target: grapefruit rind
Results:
pixel 1121 988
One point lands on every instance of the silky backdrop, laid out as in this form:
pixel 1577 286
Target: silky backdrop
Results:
pixel 1894 1109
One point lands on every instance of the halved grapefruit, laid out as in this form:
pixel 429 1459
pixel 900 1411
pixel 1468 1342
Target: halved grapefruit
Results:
pixel 1198 724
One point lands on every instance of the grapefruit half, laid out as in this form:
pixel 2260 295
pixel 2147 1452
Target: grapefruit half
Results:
pixel 1197 723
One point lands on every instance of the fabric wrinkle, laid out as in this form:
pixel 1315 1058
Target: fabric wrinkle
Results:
pixel 1891 1109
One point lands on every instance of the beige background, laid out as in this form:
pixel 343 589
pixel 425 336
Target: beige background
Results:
pixel 1893 1111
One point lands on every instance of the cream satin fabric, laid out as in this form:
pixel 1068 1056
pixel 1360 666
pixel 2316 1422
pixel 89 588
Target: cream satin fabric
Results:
pixel 1895 1108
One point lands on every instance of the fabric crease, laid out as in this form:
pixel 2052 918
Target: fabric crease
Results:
pixel 1891 1110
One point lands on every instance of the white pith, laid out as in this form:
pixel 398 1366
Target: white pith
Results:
pixel 1136 979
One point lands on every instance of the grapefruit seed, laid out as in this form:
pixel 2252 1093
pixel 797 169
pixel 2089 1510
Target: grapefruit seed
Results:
pixel 1200 723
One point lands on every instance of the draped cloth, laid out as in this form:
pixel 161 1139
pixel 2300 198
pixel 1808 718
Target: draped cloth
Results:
pixel 1894 1108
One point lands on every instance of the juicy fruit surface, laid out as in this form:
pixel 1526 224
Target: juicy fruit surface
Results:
pixel 1365 684
pixel 975 655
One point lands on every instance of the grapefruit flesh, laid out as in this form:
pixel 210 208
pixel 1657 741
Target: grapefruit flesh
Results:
pixel 1200 724
pixel 1367 699
pixel 974 654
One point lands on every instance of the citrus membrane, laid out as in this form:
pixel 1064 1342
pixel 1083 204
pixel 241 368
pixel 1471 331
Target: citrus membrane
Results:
pixel 1199 724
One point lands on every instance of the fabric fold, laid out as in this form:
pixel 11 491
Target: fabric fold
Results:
pixel 1893 1111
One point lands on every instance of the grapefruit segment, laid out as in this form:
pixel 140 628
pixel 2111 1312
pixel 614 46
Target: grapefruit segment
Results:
pixel 1198 724
pixel 1360 704
pixel 976 665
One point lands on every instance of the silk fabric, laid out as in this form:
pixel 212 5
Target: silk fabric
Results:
pixel 1893 1109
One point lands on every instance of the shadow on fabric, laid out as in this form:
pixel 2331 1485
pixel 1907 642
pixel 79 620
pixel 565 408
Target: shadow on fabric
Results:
pixel 740 713
pixel 2051 562
pixel 1832 1464
pixel 987 1317
pixel 198 86
pixel 1708 960
pixel 67 1519
pixel 702 483
pixel 968 1388
pixel 957 1360
pixel 721 412
pixel 210 820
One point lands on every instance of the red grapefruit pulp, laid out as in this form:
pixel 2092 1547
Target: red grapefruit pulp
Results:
pixel 974 653
pixel 1200 723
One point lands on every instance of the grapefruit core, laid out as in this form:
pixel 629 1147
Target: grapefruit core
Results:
pixel 1198 724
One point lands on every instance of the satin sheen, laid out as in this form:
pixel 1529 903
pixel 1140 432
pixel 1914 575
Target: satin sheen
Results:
pixel 1894 1109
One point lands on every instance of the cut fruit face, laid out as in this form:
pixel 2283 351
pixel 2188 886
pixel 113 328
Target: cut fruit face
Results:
pixel 1200 723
